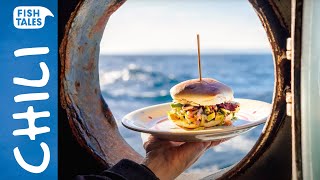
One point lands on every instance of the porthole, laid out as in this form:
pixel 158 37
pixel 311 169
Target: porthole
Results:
pixel 92 125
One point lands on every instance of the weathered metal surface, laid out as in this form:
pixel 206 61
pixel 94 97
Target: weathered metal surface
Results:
pixel 91 121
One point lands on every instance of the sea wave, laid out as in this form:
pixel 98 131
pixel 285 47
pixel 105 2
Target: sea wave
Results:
pixel 199 173
pixel 135 81
pixel 239 143
pixel 132 82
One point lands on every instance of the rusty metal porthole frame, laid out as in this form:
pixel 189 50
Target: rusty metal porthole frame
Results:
pixel 89 139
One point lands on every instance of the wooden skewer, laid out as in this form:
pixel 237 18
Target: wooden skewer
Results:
pixel 199 60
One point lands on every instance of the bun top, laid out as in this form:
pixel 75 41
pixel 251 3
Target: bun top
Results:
pixel 206 92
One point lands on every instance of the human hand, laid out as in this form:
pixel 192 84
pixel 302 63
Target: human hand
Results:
pixel 168 159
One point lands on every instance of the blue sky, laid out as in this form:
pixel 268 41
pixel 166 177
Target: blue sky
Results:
pixel 159 27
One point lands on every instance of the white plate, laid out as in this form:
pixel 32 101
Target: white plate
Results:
pixel 153 120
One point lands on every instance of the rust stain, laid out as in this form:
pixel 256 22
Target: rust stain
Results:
pixel 92 62
pixel 64 61
pixel 100 25
pixel 276 5
pixel 97 134
pixel 77 84
pixel 80 49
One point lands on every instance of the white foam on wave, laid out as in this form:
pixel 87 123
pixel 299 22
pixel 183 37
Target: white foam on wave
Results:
pixel 145 94
pixel 110 77
pixel 135 81
pixel 239 143
pixel 199 173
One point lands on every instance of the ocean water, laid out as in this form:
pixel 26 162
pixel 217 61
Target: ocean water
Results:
pixel 132 82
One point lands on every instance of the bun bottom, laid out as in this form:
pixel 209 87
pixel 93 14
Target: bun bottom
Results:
pixel 185 124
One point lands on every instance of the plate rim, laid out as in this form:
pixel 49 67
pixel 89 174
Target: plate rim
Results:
pixel 197 132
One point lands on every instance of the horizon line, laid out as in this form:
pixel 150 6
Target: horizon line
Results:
pixel 191 52
pixel 183 54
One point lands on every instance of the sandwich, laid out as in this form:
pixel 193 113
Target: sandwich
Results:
pixel 202 104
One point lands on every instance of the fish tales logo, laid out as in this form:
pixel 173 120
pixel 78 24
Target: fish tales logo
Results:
pixel 30 17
